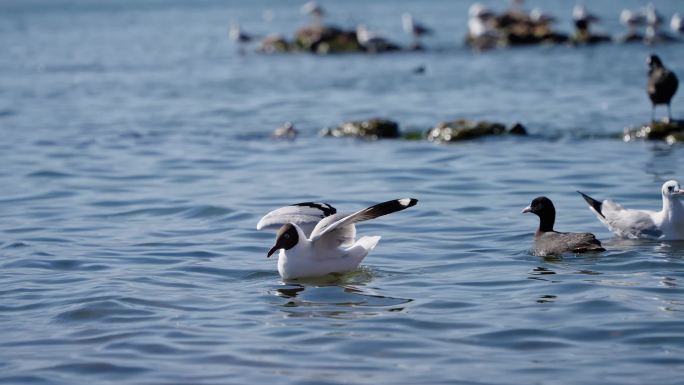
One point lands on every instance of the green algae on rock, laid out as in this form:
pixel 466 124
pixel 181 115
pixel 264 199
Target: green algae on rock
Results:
pixel 463 129
pixel 371 129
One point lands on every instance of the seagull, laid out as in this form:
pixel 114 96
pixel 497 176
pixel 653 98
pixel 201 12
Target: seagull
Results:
pixel 632 19
pixel 287 131
pixel 662 85
pixel 314 10
pixel 480 21
pixel 541 17
pixel 414 28
pixel 314 240
pixel 666 224
pixel 237 35
pixel 371 41
pixel 547 241
pixel 583 18
pixel 653 21
pixel 676 24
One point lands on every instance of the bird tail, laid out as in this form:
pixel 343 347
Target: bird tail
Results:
pixel 362 247
pixel 368 243
pixel 593 203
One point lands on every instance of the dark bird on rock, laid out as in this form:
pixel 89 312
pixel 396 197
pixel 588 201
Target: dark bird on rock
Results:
pixel 662 85
pixel 547 241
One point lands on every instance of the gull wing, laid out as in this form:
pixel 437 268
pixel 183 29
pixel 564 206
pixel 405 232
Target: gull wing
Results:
pixel 305 215
pixel 324 228
pixel 628 223
pixel 624 222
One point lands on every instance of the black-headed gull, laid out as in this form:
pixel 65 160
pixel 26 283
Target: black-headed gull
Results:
pixel 666 224
pixel 547 241
pixel 583 18
pixel 414 28
pixel 315 240
pixel 632 19
pixel 314 10
pixel 662 85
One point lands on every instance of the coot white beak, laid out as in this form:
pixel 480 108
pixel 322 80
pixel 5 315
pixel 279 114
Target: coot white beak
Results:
pixel 527 209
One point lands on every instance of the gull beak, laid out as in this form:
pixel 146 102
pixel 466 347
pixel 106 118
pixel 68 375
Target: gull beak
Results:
pixel 273 250
pixel 527 209
pixel 678 192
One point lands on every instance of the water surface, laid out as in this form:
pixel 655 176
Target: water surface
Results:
pixel 137 160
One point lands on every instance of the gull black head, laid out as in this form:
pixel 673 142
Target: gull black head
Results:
pixel 544 209
pixel 654 62
pixel 286 238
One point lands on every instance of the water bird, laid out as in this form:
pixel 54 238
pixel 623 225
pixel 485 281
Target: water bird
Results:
pixel 541 17
pixel 314 240
pixel 238 36
pixel 547 241
pixel 653 21
pixel 662 85
pixel 314 10
pixel 676 24
pixel 632 19
pixel 582 18
pixel 371 41
pixel 666 224
pixel 481 22
pixel 414 28
pixel 286 131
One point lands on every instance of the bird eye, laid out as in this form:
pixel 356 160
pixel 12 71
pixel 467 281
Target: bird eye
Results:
pixel 669 188
pixel 286 236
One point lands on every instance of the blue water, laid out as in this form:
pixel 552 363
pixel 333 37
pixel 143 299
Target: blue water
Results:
pixel 136 160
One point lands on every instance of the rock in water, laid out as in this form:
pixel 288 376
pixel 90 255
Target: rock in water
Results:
pixel 274 43
pixel 670 131
pixel 463 129
pixel 371 129
pixel 326 39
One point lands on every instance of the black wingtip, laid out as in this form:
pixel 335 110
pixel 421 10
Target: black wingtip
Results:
pixel 411 202
pixel 592 202
pixel 389 207
pixel 326 208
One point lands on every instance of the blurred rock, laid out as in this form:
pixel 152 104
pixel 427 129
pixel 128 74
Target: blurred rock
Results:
pixel 326 39
pixel 516 29
pixel 585 37
pixel 371 129
pixel 660 38
pixel 518 129
pixel 632 37
pixel 671 131
pixel 463 129
pixel 286 131
pixel 274 43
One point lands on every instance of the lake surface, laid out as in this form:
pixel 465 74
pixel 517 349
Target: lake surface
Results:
pixel 136 160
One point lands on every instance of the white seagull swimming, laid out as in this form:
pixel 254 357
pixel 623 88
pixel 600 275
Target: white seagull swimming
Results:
pixel 314 240
pixel 666 224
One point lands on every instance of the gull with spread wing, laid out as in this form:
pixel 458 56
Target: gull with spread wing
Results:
pixel 314 240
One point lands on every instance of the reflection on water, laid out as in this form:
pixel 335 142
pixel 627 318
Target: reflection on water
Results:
pixel 336 301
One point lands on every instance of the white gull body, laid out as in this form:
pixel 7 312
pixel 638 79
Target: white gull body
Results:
pixel 331 246
pixel 666 224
